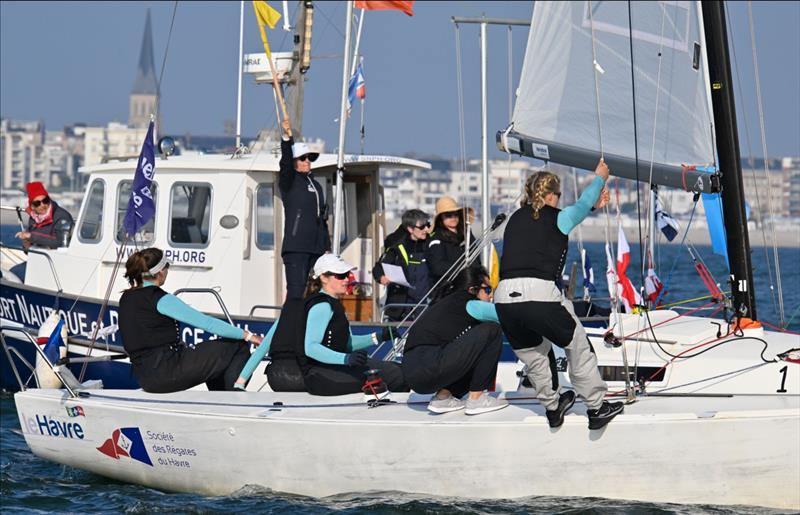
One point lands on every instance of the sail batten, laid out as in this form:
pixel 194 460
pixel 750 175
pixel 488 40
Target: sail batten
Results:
pixel 558 106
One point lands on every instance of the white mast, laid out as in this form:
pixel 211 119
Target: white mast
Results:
pixel 239 74
pixel 337 211
pixel 486 214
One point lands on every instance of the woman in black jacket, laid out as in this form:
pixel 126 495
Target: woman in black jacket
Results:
pixel 446 242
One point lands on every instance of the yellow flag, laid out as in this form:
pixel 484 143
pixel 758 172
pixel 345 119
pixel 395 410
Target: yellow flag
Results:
pixel 265 15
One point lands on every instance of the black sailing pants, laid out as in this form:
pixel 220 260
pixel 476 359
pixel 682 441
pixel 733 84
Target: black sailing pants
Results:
pixel 297 265
pixel 217 363
pixel 324 379
pixel 468 363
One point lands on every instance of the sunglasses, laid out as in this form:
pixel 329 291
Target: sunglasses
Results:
pixel 557 194
pixel 486 289
pixel 303 158
pixel 341 276
pixel 423 226
pixel 37 203
pixel 452 214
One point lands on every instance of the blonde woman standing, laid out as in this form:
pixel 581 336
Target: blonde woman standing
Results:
pixel 531 306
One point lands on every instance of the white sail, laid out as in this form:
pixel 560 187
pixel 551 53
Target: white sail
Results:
pixel 557 104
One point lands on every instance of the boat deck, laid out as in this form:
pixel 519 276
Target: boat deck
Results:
pixel 411 408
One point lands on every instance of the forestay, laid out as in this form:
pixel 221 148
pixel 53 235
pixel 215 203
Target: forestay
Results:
pixel 558 105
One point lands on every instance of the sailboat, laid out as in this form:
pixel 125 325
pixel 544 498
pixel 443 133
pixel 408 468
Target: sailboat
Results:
pixel 712 431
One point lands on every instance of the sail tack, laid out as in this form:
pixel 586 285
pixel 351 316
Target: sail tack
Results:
pixel 563 115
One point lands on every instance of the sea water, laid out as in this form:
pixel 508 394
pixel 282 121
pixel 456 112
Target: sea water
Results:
pixel 31 485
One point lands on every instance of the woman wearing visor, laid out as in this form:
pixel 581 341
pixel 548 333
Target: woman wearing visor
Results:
pixel 148 321
pixel 305 219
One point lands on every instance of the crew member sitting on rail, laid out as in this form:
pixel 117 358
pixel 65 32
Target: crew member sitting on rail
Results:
pixel 148 321
pixel 454 347
pixel 283 371
pixel 334 360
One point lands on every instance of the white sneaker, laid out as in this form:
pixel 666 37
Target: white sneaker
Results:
pixel 446 405
pixel 484 404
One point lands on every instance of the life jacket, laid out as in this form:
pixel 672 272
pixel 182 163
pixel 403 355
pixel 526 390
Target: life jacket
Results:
pixel 533 248
pixel 442 322
pixel 336 335
pixel 291 326
pixel 143 328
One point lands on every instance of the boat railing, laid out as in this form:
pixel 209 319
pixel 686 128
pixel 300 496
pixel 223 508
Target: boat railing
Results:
pixel 23 385
pixel 402 305
pixel 211 291
pixel 263 306
pixel 41 253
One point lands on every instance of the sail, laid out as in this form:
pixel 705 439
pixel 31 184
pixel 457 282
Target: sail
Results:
pixel 556 114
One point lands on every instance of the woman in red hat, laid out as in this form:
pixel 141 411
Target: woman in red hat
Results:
pixel 49 225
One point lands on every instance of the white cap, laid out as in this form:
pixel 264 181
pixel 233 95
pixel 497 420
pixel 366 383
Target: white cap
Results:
pixel 331 263
pixel 300 149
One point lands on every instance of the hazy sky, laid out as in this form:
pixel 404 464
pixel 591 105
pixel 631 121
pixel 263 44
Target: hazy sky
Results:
pixel 67 62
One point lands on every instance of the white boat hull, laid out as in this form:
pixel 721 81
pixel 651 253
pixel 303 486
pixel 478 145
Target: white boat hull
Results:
pixel 709 450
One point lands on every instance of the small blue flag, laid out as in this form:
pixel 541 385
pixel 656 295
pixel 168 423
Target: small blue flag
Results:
pixel 141 206
pixel 355 88
pixel 54 343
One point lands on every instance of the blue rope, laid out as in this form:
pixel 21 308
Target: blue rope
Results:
pixel 675 261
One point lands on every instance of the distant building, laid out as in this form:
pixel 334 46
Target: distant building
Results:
pixel 22 156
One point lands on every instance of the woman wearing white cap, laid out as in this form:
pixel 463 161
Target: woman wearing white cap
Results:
pixel 148 321
pixel 333 359
pixel 305 220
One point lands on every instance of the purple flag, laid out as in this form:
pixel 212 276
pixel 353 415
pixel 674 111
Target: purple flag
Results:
pixel 141 206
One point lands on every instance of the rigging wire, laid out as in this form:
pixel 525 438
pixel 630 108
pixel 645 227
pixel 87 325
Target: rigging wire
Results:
pixel 760 101
pixel 636 148
pixel 753 172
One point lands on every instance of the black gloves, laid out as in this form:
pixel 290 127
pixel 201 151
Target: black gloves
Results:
pixel 357 358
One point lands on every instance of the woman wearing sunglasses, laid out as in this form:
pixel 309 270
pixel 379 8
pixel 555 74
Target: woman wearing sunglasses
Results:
pixel 49 225
pixel 305 219
pixel 454 347
pixel 148 321
pixel 334 360
pixel 532 308
pixel 446 242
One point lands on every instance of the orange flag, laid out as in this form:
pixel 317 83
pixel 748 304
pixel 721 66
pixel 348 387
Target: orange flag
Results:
pixel 376 5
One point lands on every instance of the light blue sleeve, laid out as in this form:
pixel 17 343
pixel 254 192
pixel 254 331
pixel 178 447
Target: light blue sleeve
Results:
pixel 318 317
pixel 571 216
pixel 360 341
pixel 173 307
pixel 258 354
pixel 484 311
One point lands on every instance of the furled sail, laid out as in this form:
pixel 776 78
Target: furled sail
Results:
pixel 562 115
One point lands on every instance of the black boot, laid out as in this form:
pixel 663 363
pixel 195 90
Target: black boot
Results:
pixel 598 418
pixel 565 401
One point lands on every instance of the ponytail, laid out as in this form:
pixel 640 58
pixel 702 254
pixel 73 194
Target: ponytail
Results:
pixel 312 286
pixel 138 265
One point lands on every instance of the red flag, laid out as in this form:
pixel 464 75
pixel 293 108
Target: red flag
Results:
pixel 652 285
pixel 629 295
pixel 377 5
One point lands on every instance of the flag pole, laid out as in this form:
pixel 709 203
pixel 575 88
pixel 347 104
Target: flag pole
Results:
pixel 337 219
pixel 239 74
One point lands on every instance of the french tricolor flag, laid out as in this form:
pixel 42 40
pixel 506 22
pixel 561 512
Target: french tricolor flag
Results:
pixel 356 88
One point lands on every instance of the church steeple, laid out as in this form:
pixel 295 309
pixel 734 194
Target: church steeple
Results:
pixel 145 88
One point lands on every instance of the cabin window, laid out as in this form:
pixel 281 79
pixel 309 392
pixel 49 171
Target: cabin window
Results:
pixel 265 216
pixel 190 212
pixel 146 234
pixel 91 229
